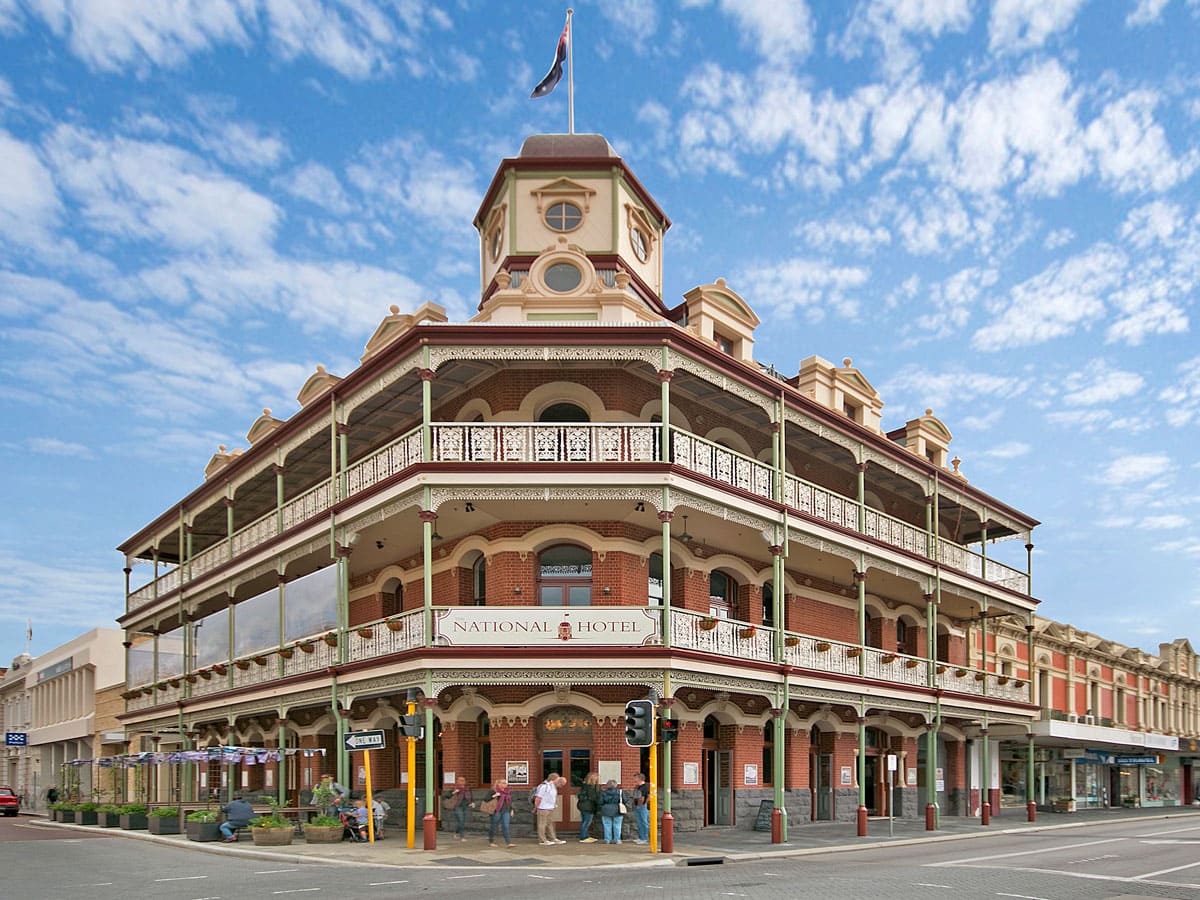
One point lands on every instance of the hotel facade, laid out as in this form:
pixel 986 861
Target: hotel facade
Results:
pixel 583 496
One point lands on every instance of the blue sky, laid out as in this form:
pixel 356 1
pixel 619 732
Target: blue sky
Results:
pixel 992 208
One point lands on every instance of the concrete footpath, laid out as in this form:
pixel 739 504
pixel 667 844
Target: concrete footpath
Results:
pixel 711 845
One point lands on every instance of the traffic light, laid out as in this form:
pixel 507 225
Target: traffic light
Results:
pixel 639 723
pixel 668 730
pixel 410 726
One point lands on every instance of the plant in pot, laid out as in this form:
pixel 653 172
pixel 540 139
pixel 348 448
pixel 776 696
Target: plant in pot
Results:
pixel 133 816
pixel 323 829
pixel 707 623
pixel 201 825
pixel 63 812
pixel 163 820
pixel 85 813
pixel 108 815
pixel 271 830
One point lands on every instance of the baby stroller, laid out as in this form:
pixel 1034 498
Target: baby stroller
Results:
pixel 350 827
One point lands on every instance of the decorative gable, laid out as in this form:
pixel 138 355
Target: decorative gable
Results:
pixel 927 437
pixel 844 389
pixel 395 326
pixel 563 189
pixel 717 313
pixel 318 383
pixel 219 461
pixel 263 425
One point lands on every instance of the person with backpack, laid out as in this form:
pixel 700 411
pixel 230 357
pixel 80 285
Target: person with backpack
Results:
pixel 588 803
pixel 545 805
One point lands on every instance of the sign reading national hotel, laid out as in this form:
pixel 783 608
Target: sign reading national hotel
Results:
pixel 547 626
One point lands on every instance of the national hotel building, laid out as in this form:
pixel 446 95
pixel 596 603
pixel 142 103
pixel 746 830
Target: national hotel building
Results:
pixel 583 494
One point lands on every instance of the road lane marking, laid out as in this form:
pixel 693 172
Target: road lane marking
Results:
pixel 1020 896
pixel 1167 871
pixel 1173 831
pixel 275 871
pixel 296 891
pixel 1091 876
pixel 456 877
pixel 543 877
pixel 381 883
pixel 183 878
pixel 975 859
pixel 927 884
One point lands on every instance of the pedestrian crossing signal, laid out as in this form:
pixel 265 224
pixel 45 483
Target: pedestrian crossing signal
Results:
pixel 668 730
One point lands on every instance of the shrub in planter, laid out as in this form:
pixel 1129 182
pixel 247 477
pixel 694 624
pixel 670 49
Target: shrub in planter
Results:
pixel 201 825
pixel 163 820
pixel 63 812
pixel 133 816
pixel 323 830
pixel 85 813
pixel 272 830
pixel 108 815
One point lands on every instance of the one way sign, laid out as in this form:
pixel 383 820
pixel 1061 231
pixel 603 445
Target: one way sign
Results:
pixel 364 740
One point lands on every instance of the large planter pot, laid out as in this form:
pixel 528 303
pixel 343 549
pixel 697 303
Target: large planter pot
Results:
pixel 133 821
pixel 85 817
pixel 323 834
pixel 202 831
pixel 163 825
pixel 272 837
pixel 108 820
pixel 66 815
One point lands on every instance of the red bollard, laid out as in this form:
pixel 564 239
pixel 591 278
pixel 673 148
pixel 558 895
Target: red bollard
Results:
pixel 777 826
pixel 429 830
pixel 930 817
pixel 862 821
pixel 1032 811
pixel 668 833
pixel 986 815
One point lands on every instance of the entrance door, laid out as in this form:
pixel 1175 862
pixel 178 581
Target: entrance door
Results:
pixel 822 782
pixel 719 785
pixel 573 764
pixel 873 789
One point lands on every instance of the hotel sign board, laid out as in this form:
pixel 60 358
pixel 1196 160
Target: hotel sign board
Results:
pixel 549 626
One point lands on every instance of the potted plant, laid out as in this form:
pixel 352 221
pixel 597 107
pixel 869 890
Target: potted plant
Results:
pixel 163 820
pixel 748 632
pixel 206 674
pixel 960 673
pixel 85 813
pixel 273 829
pixel 286 652
pixel 888 658
pixel 707 623
pixel 822 646
pixel 108 815
pixel 243 664
pixel 260 660
pixel 133 817
pixel 330 638
pixel 911 663
pixel 323 829
pixel 853 652
pixel 941 669
pixel 201 825
pixel 190 678
pixel 305 646
pixel 364 632
pixel 66 812
pixel 219 669
pixel 791 641
pixel 1064 804
pixel 394 624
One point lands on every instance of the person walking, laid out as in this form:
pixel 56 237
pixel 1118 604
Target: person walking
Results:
pixel 238 814
pixel 545 807
pixel 641 808
pixel 459 802
pixel 611 816
pixel 500 804
pixel 588 803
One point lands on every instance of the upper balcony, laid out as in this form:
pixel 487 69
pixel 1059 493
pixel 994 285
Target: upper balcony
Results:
pixel 616 444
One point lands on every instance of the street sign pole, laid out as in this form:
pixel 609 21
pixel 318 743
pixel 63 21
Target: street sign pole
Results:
pixel 411 709
pixel 370 805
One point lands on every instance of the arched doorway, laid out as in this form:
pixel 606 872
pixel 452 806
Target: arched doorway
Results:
pixel 717 777
pixel 565 742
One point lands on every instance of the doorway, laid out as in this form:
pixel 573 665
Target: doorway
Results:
pixel 718 787
pixel 821 778
pixel 572 763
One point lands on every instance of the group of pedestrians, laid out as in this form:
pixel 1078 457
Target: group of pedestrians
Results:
pixel 608 802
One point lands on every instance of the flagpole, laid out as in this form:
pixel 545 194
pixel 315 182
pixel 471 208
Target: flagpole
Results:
pixel 570 73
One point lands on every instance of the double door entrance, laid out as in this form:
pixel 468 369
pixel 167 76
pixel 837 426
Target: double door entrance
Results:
pixel 573 763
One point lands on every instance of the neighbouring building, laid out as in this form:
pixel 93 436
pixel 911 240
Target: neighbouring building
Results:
pixel 583 494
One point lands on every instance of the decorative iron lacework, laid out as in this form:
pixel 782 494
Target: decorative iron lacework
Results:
pixel 393 374
pixel 392 508
pixel 441 496
pixel 442 354
pixel 729 385
pixel 758 523
pixel 820 430
pixel 444 679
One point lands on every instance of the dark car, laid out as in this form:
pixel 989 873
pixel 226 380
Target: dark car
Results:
pixel 8 801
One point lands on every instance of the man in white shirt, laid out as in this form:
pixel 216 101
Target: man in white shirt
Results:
pixel 545 805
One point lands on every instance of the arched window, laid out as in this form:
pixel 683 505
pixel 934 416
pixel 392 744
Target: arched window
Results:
pixel 484 736
pixel 565 576
pixel 768 605
pixel 564 412
pixel 655 579
pixel 479 581
pixel 720 595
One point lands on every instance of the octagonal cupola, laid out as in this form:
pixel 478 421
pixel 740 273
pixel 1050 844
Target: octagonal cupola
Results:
pixel 570 190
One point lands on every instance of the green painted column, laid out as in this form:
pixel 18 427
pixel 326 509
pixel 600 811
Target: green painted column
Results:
pixel 665 516
pixel 1030 782
pixel 777 600
pixel 983 646
pixel 862 495
pixel 930 641
pixel 985 776
pixel 232 652
pixel 861 765
pixel 664 402
pixel 279 493
pixel 228 528
pixel 429 703
pixel 779 721
pixel 931 804
pixel 860 579
pixel 428 517
pixel 281 769
pixel 343 599
pixel 426 409
pixel 343 431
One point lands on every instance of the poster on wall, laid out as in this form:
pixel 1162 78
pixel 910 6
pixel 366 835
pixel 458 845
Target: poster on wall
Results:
pixel 691 773
pixel 847 776
pixel 750 774
pixel 516 771
pixel 268 778
pixel 912 775
pixel 609 770
pixel 362 774
pixel 449 777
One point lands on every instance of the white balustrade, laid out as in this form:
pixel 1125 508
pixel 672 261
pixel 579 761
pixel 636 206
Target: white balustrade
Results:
pixel 524 442
pixel 720 463
pixel 722 637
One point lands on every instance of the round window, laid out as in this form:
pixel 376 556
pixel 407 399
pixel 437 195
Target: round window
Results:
pixel 641 247
pixel 563 216
pixel 562 277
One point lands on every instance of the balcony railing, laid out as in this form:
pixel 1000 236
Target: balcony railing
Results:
pixel 484 442
pixel 541 627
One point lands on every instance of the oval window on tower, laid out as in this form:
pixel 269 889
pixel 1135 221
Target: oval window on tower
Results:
pixel 562 277
pixel 563 216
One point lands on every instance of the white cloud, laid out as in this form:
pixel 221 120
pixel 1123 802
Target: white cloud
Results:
pixel 318 185
pixel 1145 12
pixel 46 446
pixel 29 202
pixel 1066 296
pixel 843 232
pixel 1009 450
pixel 1131 149
pixel 780 32
pixel 1183 397
pixel 1171 520
pixel 1156 222
pixel 69 592
pixel 811 286
pixel 893 24
pixel 157 193
pixel 407 175
pixel 1134 468
pixel 947 306
pixel 1018 25
pixel 919 387
pixel 636 18
pixel 1099 384
pixel 1058 238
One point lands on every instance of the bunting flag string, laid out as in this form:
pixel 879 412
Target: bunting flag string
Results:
pixel 224 755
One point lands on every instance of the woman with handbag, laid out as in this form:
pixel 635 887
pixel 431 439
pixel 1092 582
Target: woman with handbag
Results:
pixel 499 810
pixel 612 812
pixel 459 802
pixel 588 802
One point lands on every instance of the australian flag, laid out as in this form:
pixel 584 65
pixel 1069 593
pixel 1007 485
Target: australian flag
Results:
pixel 554 76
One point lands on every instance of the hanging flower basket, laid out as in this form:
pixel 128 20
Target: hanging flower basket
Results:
pixel 243 664
pixel 747 633
pixel 306 646
pixel 1003 679
pixel 911 663
pixel 822 646
pixel 220 669
pixel 888 658
pixel 330 639
pixel 162 685
pixel 365 633
pixel 147 691
pixel 190 679
pixel 941 670
pixel 394 625
pixel 791 641
pixel 129 695
pixel 979 676
pixel 960 673
pixel 1018 684
pixel 853 652
pixel 286 652
pixel 708 623
pixel 206 674
pixel 260 660
pixel 173 682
